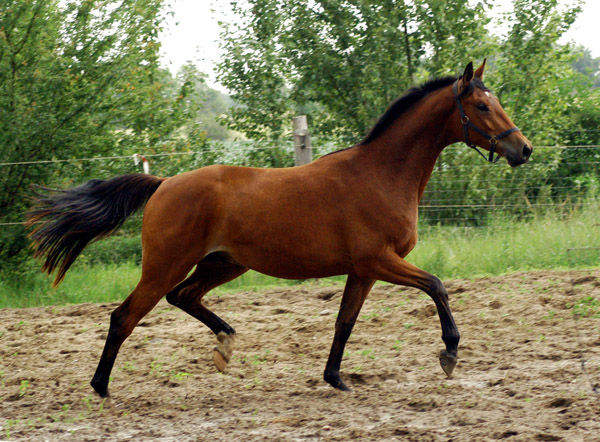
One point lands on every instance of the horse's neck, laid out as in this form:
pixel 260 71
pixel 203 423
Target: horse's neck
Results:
pixel 406 153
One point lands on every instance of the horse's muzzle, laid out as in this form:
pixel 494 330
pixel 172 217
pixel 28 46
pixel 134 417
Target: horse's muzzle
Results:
pixel 527 151
pixel 517 157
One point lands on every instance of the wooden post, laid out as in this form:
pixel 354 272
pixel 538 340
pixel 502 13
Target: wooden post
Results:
pixel 302 148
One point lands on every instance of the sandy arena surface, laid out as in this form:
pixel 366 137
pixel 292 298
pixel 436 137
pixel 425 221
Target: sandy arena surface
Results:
pixel 528 369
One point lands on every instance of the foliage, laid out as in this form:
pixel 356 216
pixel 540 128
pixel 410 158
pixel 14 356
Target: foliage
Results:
pixel 215 104
pixel 585 64
pixel 343 61
pixel 553 104
pixel 532 74
pixel 81 79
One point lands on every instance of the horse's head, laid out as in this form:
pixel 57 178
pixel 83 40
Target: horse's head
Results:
pixel 484 122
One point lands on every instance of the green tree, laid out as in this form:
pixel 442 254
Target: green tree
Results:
pixel 78 79
pixel 533 76
pixel 586 64
pixel 205 104
pixel 215 106
pixel 343 60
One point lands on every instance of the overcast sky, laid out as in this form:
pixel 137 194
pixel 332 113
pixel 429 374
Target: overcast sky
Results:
pixel 193 32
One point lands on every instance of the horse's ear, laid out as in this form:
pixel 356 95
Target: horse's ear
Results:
pixel 480 69
pixel 466 77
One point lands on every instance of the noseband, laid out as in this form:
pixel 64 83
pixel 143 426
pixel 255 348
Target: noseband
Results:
pixel 466 124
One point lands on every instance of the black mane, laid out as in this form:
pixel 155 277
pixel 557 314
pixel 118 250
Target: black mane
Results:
pixel 405 102
pixel 409 99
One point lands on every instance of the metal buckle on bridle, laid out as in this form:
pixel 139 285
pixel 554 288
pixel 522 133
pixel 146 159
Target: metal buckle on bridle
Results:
pixel 466 124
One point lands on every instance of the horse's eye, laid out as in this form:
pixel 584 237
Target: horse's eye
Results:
pixel 482 107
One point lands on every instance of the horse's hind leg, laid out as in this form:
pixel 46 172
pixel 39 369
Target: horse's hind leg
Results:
pixel 122 322
pixel 211 272
pixel 124 318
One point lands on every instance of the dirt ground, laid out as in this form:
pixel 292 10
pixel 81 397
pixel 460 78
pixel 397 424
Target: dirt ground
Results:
pixel 528 369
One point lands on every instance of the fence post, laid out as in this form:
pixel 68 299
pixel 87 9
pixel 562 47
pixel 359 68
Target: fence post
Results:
pixel 302 147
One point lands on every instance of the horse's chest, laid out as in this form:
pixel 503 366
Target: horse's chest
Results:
pixel 405 235
pixel 405 244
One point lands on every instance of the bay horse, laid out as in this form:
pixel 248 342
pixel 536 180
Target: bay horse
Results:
pixel 353 212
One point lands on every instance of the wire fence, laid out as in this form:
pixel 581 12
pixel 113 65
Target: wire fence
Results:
pixel 241 147
pixel 455 195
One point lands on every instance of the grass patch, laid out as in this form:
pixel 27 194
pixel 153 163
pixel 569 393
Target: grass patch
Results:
pixel 549 241
pixel 587 306
pixel 84 283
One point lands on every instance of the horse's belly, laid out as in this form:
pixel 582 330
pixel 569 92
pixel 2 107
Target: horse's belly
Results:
pixel 292 259
pixel 292 269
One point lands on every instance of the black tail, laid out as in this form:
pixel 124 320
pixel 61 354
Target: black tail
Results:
pixel 66 221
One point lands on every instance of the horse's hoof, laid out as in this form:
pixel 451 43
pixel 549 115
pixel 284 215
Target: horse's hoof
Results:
pixel 101 390
pixel 342 386
pixel 447 362
pixel 222 352
pixel 219 360
pixel 336 382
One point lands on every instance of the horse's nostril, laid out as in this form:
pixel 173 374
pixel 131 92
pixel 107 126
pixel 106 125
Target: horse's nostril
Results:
pixel 527 151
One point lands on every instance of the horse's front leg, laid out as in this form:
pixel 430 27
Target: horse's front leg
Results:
pixel 354 296
pixel 392 268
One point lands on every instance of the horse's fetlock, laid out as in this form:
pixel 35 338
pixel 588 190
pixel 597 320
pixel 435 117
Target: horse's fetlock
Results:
pixel 225 337
pixel 223 351
pixel 333 378
pixel 451 339
pixel 100 387
pixel 331 375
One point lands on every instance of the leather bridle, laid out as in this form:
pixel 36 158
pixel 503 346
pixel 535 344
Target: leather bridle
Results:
pixel 466 124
